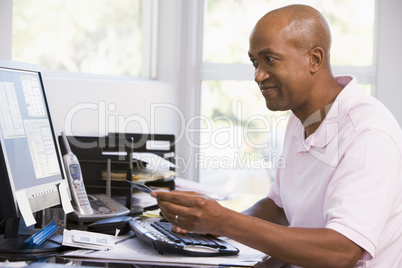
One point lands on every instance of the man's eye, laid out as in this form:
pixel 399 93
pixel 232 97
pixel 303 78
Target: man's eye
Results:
pixel 269 59
pixel 254 62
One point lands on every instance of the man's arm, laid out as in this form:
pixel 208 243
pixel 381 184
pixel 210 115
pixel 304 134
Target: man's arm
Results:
pixel 267 210
pixel 305 247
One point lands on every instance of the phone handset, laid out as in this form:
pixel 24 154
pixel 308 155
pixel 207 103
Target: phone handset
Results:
pixel 73 170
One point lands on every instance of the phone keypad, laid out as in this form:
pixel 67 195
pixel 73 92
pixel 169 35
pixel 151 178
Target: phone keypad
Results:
pixel 81 195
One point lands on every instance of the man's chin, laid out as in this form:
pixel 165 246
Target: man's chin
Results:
pixel 272 106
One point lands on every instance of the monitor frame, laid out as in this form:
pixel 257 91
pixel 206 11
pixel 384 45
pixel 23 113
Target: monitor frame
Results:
pixel 43 195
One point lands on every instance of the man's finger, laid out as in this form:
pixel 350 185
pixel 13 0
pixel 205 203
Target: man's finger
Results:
pixel 188 199
pixel 179 230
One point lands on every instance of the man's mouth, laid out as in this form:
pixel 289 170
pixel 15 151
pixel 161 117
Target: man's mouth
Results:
pixel 268 90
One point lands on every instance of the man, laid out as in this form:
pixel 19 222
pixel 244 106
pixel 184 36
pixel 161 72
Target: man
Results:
pixel 338 201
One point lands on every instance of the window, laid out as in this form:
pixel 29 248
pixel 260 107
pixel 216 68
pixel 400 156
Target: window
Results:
pixel 230 22
pixel 244 145
pixel 93 36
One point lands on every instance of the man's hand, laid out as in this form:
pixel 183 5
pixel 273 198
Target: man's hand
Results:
pixel 190 211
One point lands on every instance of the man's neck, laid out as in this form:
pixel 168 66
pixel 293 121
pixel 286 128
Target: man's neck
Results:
pixel 313 122
pixel 322 97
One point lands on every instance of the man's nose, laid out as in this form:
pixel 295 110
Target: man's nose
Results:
pixel 260 75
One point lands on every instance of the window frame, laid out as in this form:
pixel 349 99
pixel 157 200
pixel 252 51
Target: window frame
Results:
pixel 149 48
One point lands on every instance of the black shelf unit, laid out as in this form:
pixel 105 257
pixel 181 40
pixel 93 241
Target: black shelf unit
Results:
pixel 93 153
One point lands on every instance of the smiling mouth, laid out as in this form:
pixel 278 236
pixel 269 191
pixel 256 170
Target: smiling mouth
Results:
pixel 268 90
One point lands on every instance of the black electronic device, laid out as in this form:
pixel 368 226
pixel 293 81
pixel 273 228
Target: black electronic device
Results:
pixel 159 235
pixel 109 226
pixel 31 171
pixel 98 154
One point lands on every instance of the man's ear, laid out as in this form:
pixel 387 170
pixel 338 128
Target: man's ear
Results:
pixel 317 56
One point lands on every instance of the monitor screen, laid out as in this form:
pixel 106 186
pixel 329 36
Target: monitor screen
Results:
pixel 30 163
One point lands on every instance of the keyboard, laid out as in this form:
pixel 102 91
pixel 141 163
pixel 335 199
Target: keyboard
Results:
pixel 159 235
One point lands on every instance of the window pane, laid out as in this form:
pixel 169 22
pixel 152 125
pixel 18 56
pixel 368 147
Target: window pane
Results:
pixel 244 139
pixel 91 36
pixel 228 24
pixel 240 139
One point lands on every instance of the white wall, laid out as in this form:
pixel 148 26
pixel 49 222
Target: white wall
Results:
pixel 389 69
pixel 6 11
pixel 89 107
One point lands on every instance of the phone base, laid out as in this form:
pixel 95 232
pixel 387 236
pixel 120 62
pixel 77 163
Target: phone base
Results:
pixel 104 207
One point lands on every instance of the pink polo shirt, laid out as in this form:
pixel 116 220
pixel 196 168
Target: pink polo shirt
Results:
pixel 347 175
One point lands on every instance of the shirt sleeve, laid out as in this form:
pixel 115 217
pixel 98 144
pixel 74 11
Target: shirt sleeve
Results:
pixel 360 195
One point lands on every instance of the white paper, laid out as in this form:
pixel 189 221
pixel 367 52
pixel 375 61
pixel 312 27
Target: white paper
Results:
pixel 187 185
pixel 154 161
pixel 13 264
pixel 25 208
pixel 88 240
pixel 65 200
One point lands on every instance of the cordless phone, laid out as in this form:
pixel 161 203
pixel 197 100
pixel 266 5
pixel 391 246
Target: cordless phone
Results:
pixel 92 207
pixel 73 171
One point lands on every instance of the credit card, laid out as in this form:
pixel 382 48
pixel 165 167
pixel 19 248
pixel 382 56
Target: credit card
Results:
pixel 141 187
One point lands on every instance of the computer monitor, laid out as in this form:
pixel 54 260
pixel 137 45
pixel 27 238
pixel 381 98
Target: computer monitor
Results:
pixel 30 162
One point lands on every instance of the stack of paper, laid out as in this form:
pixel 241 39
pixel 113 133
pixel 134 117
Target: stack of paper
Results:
pixel 88 240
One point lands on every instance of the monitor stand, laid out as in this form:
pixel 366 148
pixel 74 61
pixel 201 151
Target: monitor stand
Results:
pixel 12 243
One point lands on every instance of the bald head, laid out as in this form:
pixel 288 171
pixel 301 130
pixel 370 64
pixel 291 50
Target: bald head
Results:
pixel 289 49
pixel 300 25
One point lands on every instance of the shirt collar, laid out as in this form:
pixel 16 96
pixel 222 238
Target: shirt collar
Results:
pixel 329 127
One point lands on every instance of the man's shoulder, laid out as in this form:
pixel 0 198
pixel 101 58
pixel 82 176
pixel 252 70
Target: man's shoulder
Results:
pixel 368 112
pixel 370 118
pixel 362 110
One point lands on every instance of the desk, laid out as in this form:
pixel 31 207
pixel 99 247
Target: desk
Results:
pixel 239 203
